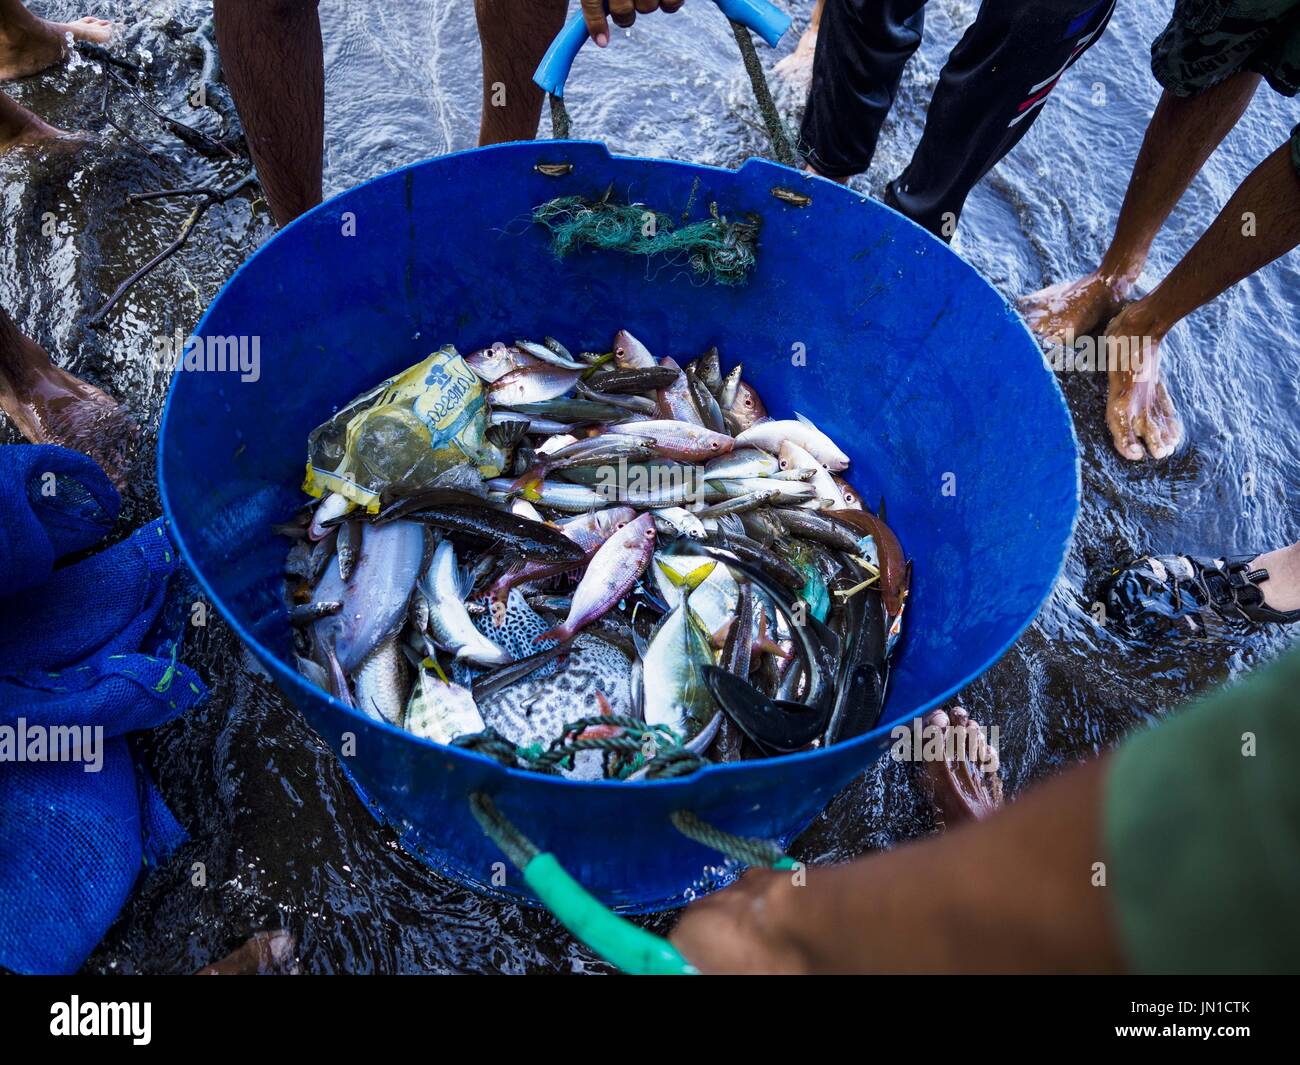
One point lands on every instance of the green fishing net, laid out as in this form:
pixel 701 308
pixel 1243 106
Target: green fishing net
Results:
pixel 715 249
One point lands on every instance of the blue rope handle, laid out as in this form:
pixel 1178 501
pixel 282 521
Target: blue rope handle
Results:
pixel 765 19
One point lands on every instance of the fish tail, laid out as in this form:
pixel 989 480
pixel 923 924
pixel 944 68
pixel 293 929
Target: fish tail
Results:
pixel 528 484
pixel 559 633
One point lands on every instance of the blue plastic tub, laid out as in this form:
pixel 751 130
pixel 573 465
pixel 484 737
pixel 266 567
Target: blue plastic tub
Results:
pixel 914 364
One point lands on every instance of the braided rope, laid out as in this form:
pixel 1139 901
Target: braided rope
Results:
pixel 777 134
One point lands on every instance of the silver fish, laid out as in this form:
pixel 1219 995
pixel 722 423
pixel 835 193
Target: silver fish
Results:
pixel 770 435
pixel 678 521
pixel 440 711
pixel 382 683
pixel 571 498
pixel 375 598
pixel 630 352
pixel 449 622
pixel 794 457
pixel 743 462
pixel 679 440
pixel 492 364
pixel 674 691
pixel 533 384
pixel 550 355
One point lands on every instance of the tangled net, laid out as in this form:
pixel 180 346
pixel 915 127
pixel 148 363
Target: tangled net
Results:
pixel 716 249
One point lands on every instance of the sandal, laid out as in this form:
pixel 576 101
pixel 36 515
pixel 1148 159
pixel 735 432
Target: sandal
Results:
pixel 1183 588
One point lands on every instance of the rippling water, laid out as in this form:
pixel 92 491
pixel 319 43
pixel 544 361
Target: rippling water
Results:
pixel 284 841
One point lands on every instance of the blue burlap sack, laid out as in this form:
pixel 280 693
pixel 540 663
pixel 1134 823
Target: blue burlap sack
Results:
pixel 77 648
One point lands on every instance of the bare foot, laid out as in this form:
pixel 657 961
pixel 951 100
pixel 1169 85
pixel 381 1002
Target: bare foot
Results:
pixel 265 954
pixel 1072 309
pixel 34 45
pixel 51 406
pixel 1139 410
pixel 21 128
pixel 796 68
pixel 964 784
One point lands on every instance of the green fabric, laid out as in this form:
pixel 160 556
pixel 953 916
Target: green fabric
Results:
pixel 1207 41
pixel 1203 842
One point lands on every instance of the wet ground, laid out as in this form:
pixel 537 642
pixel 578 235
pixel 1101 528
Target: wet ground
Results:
pixel 280 839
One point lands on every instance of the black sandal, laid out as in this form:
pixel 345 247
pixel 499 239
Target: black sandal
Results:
pixel 1181 588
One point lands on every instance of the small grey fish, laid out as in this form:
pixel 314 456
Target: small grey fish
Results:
pixel 348 547
pixel 306 613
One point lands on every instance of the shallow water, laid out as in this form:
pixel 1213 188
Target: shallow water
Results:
pixel 282 839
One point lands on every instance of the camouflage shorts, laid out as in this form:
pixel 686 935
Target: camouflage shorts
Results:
pixel 1210 40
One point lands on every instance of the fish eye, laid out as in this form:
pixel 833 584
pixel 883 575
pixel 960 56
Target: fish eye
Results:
pixel 650 532
pixel 713 445
pixel 784 464
pixel 748 402
pixel 619 524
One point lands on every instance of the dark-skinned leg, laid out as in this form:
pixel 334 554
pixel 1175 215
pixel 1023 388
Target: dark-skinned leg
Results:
pixel 20 126
pixel 274 61
pixel 514 35
pixel 1182 135
pixel 1139 409
pixel 50 406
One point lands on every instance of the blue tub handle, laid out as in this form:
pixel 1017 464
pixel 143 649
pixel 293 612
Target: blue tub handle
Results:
pixel 765 19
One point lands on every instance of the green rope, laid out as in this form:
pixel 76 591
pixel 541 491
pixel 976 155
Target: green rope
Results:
pixel 501 831
pixel 743 849
pixel 716 249
pixel 777 134
pixel 669 757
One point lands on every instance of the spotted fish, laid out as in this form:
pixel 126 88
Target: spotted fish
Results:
pixel 536 710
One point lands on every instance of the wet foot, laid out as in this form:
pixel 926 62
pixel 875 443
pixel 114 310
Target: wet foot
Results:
pixel 964 785
pixel 265 954
pixel 1061 313
pixel 51 406
pixel 31 131
pixel 1139 410
pixel 37 44
pixel 796 68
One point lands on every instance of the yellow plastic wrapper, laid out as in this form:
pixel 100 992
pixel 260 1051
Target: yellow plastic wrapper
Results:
pixel 404 434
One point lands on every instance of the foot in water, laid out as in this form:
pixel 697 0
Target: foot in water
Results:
pixel 19 127
pixel 1062 313
pixel 963 785
pixel 51 406
pixel 1139 409
pixel 33 44
pixel 265 954
pixel 1189 592
pixel 796 68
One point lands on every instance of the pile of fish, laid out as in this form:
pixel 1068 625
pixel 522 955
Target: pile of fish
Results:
pixel 657 548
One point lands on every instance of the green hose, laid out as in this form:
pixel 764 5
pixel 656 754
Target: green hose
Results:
pixel 617 940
